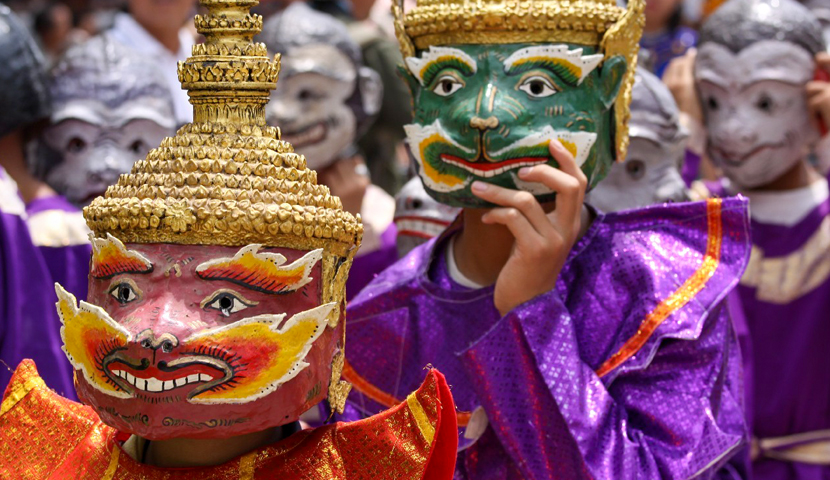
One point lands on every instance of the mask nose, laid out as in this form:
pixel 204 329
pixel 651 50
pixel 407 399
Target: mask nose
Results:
pixel 484 124
pixel 165 342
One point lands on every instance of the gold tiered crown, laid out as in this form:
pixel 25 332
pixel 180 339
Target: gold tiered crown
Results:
pixel 595 23
pixel 227 178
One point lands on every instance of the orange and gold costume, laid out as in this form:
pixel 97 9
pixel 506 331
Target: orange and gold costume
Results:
pixel 43 435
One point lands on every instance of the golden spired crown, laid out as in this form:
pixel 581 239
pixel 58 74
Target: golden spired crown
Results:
pixel 227 178
pixel 594 23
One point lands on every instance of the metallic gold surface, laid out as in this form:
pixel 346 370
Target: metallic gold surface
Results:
pixel 227 178
pixel 595 23
pixel 681 296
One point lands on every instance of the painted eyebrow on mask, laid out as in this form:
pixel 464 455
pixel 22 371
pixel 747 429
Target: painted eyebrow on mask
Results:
pixel 569 65
pixel 436 59
pixel 110 258
pixel 261 272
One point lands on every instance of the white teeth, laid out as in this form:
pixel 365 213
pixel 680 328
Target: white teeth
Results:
pixel 424 227
pixel 153 384
pixel 489 173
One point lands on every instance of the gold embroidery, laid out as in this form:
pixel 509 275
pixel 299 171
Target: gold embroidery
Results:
pixel 247 466
pixel 421 418
pixel 681 296
pixel 109 474
pixel 19 391
pixel 781 280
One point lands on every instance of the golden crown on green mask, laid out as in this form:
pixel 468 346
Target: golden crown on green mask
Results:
pixel 601 24
pixel 227 178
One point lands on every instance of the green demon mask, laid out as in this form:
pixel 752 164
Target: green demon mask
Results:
pixel 484 111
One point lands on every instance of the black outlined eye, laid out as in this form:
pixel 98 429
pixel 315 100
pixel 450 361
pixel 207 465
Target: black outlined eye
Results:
pixel 227 303
pixel 447 85
pixel 124 293
pixel 75 145
pixel 636 169
pixel 537 87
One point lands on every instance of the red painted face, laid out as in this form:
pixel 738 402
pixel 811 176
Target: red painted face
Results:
pixel 200 341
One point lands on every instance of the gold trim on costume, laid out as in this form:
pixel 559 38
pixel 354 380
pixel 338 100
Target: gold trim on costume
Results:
pixel 679 297
pixel 421 418
pixel 109 474
pixel 19 391
pixel 781 280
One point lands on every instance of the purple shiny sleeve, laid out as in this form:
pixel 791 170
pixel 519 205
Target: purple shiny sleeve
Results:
pixel 674 419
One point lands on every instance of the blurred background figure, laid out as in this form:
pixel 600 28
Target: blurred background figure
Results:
pixel 110 105
pixel 325 100
pixel 418 217
pixel 650 173
pixel 161 30
pixel 29 325
pixel 372 29
pixel 664 37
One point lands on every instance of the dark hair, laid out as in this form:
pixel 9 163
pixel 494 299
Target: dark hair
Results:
pixel 740 23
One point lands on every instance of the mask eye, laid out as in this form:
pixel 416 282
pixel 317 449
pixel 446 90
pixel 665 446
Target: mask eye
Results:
pixel 765 104
pixel 75 145
pixel 446 86
pixel 138 147
pixel 227 303
pixel 124 293
pixel 537 87
pixel 636 169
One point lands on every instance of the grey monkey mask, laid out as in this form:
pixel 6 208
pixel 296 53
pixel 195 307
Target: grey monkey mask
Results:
pixel 326 97
pixel 111 105
pixel 651 171
pixel 754 59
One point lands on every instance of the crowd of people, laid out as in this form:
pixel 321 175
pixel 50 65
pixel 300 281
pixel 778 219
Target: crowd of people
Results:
pixel 568 239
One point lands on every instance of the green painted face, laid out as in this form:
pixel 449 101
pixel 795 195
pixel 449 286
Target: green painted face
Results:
pixel 484 111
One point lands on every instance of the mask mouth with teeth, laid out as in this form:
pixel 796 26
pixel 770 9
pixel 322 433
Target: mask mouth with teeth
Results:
pixel 217 282
pixel 754 61
pixel 243 324
pixel 327 98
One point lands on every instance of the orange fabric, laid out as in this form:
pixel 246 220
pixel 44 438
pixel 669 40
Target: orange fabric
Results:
pixel 681 296
pixel 43 435
pixel 387 400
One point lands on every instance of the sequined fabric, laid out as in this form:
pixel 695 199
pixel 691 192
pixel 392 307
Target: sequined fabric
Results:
pixel 668 407
pixel 45 436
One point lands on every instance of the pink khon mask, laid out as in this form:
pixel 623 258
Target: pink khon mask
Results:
pixel 201 341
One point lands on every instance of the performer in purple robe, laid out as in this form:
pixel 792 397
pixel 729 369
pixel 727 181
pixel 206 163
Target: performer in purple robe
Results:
pixel 578 344
pixel 327 99
pixel 29 325
pixel 755 61
pixel 110 106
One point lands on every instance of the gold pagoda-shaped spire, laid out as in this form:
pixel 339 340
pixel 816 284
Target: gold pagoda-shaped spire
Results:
pixel 226 178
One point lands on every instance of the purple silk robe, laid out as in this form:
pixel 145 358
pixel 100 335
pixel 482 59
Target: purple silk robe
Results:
pixel 786 298
pixel 29 325
pixel 60 233
pixel 628 369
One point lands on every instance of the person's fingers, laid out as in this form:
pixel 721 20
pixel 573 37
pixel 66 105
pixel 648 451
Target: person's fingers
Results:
pixel 569 183
pixel 521 201
pixel 816 87
pixel 527 238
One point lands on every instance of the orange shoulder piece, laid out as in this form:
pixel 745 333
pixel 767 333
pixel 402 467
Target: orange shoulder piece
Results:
pixel 416 439
pixel 39 429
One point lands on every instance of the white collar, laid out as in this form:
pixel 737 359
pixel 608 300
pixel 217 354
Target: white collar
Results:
pixel 130 33
pixel 454 272
pixel 787 207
